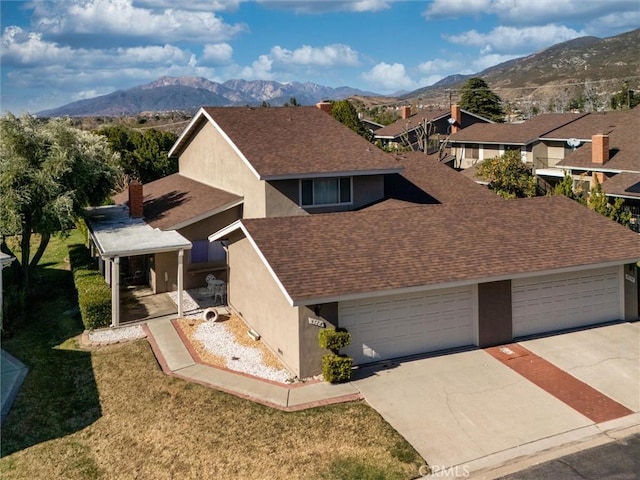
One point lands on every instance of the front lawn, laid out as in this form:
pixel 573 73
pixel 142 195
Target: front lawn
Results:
pixel 112 413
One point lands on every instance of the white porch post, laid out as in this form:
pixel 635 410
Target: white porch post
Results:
pixel 180 280
pixel 115 292
pixel 108 269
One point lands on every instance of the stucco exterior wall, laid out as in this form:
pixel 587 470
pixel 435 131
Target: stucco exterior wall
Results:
pixel 283 196
pixel 253 293
pixel 210 159
pixel 164 263
pixel 310 351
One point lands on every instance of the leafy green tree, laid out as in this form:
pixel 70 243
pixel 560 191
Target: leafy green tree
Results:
pixel 599 202
pixel 49 171
pixel 292 103
pixel 346 113
pixel 476 97
pixel 566 188
pixel 143 156
pixel 508 176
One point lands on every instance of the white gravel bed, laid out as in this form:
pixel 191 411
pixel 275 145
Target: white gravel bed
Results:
pixel 219 341
pixel 117 334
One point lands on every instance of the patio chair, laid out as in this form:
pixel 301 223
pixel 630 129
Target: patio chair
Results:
pixel 219 292
pixel 211 283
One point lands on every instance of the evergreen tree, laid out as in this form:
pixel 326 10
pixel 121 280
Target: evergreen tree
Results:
pixel 476 97
pixel 346 113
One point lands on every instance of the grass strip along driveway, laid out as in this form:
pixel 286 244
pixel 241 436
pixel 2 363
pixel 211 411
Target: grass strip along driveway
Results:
pixel 110 412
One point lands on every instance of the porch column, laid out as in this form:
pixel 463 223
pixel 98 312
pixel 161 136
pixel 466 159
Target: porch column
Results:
pixel 115 292
pixel 107 270
pixel 180 280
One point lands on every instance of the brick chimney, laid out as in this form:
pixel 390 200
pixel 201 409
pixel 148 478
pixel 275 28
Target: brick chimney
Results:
pixel 405 112
pixel 325 106
pixel 457 117
pixel 600 149
pixel 136 200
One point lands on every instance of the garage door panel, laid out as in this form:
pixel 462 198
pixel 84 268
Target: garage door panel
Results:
pixel 401 325
pixel 562 301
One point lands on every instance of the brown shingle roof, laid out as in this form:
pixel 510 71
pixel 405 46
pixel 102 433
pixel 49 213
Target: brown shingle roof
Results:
pixel 297 141
pixel 624 145
pixel 403 124
pixel 425 180
pixel 623 185
pixel 327 257
pixel 514 133
pixel 175 200
pixel 588 125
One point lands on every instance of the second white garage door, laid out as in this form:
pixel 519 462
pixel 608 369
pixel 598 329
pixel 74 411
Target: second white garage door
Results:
pixel 567 300
pixel 399 325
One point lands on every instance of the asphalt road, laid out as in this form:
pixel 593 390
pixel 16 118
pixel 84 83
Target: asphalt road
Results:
pixel 618 460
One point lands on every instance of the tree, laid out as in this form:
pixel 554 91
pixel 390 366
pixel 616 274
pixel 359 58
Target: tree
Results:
pixel 346 113
pixel 508 176
pixel 566 188
pixel 49 171
pixel 599 202
pixel 625 98
pixel 143 156
pixel 476 97
pixel 292 103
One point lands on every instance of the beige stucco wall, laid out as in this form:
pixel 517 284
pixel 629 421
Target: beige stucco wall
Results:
pixel 551 152
pixel 253 293
pixel 210 159
pixel 164 262
pixel 310 351
pixel 283 196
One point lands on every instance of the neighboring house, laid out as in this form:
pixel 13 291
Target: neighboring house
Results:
pixel 411 129
pixel 479 142
pixel 319 227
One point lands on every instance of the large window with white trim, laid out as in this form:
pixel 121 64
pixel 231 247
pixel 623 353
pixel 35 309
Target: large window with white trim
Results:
pixel 326 191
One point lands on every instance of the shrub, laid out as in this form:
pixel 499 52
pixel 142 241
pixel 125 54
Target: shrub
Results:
pixel 336 368
pixel 333 340
pixel 94 295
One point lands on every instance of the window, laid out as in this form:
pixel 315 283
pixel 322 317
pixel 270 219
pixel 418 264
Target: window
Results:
pixel 325 191
pixel 471 151
pixel 204 251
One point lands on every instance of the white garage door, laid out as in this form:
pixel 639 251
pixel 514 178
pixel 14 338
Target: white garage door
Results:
pixel 568 300
pixel 400 325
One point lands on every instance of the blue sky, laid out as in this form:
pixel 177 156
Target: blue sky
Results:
pixel 56 52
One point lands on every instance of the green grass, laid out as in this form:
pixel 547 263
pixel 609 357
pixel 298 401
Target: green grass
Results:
pixel 111 413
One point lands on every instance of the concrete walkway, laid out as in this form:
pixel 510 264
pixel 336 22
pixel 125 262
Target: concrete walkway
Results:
pixel 13 374
pixel 175 359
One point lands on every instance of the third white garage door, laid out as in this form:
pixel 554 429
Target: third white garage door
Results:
pixel 567 300
pixel 399 325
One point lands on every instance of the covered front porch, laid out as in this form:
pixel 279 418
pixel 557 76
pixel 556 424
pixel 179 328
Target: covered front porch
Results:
pixel 116 238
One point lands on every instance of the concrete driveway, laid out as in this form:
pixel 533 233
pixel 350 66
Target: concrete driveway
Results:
pixel 469 408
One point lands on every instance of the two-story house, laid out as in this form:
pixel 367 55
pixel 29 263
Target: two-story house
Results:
pixel 319 228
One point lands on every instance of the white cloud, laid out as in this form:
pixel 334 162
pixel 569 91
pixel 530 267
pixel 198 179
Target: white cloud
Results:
pixel 329 55
pixel 260 69
pixel 122 19
pixel 455 8
pixel 23 48
pixel 391 78
pixel 529 12
pixel 486 61
pixel 217 53
pixel 515 40
pixel 196 5
pixel 614 22
pixel 439 65
pixel 324 6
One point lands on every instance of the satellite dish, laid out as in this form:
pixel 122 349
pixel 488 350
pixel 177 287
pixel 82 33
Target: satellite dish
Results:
pixel 451 120
pixel 573 142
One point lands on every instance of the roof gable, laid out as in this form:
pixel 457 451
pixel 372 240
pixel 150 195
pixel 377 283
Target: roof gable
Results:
pixel 292 142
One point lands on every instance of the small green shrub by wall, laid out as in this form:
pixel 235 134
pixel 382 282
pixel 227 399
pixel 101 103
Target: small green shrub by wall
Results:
pixel 336 368
pixel 94 295
pixel 333 340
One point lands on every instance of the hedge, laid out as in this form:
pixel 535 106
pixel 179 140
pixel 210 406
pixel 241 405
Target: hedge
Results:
pixel 94 295
pixel 333 340
pixel 336 368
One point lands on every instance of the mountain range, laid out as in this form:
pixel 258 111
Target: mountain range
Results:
pixel 190 93
pixel 568 69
